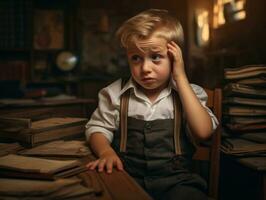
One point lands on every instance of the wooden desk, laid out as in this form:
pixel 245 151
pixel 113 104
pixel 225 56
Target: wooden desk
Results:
pixel 40 109
pixel 243 178
pixel 116 186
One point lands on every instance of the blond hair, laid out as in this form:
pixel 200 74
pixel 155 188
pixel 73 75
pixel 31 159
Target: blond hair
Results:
pixel 152 22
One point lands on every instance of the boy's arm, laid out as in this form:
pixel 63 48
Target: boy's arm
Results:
pixel 199 121
pixel 107 156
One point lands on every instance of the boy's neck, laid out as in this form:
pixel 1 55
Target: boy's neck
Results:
pixel 153 94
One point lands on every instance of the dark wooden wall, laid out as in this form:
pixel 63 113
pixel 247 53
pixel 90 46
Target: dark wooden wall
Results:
pixel 231 45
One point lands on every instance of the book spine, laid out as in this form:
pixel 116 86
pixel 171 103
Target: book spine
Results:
pixel 50 135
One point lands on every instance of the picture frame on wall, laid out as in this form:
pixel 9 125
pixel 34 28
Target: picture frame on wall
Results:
pixel 49 29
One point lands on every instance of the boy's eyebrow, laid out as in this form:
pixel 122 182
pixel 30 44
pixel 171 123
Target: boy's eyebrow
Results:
pixel 156 48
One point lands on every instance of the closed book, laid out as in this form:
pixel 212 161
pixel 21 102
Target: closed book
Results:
pixel 240 90
pixel 239 128
pixel 72 148
pixel 259 137
pixel 37 168
pixel 257 163
pixel 255 81
pixel 244 119
pixel 7 148
pixel 25 187
pixel 245 72
pixel 245 101
pixel 46 130
pixel 244 111
pixel 241 146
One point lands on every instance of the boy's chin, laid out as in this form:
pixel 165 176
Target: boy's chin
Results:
pixel 152 87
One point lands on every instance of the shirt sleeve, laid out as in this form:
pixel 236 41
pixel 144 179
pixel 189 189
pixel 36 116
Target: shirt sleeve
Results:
pixel 105 118
pixel 203 97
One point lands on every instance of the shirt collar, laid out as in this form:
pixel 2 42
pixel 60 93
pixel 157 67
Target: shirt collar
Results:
pixel 130 84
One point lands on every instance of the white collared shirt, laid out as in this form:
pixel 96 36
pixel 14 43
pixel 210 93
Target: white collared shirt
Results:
pixel 105 118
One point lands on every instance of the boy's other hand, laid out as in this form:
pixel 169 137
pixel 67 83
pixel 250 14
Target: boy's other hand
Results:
pixel 177 59
pixel 107 160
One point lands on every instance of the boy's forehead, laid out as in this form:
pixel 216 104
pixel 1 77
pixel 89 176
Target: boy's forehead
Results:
pixel 150 44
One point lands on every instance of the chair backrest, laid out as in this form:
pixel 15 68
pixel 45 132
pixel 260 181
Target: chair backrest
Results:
pixel 211 151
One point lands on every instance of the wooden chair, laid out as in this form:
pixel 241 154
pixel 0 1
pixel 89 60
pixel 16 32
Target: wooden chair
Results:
pixel 210 151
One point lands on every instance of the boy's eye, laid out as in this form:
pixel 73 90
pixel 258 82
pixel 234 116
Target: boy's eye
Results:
pixel 156 57
pixel 135 58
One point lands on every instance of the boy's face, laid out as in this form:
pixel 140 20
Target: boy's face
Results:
pixel 149 63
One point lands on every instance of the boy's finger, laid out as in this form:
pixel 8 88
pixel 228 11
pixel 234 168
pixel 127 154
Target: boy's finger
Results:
pixel 101 165
pixel 119 165
pixel 88 164
pixel 92 165
pixel 109 166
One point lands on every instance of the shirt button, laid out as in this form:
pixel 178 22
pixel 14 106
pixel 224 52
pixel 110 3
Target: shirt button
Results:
pixel 148 125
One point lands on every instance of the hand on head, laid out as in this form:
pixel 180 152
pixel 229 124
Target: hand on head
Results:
pixel 177 60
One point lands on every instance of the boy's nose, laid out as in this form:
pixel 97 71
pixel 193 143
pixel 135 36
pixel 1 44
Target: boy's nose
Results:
pixel 146 66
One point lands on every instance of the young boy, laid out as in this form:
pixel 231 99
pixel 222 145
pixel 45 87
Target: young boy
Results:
pixel 153 154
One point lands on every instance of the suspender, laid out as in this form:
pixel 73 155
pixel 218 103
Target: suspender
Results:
pixel 123 120
pixel 177 122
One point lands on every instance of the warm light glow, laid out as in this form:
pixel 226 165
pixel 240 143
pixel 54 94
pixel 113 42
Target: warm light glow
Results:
pixel 205 33
pixel 202 18
pixel 227 1
pixel 240 15
pixel 203 29
pixel 236 11
pixel 239 5
pixel 221 19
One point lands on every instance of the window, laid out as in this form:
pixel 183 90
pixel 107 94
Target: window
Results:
pixel 225 11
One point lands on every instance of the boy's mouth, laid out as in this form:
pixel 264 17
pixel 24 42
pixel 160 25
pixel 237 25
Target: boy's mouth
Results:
pixel 147 80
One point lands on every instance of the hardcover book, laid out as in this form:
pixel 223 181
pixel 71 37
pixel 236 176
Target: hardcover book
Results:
pixel 17 189
pixel 256 81
pixel 245 72
pixel 38 168
pixel 245 101
pixel 238 146
pixel 234 89
pixel 244 111
pixel 60 148
pixel 45 130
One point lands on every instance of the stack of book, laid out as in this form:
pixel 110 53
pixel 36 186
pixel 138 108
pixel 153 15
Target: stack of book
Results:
pixel 59 148
pixel 38 168
pixel 17 189
pixel 33 133
pixel 7 148
pixel 38 178
pixel 244 103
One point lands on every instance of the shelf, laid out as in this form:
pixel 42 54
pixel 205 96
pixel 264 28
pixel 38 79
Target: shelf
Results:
pixel 16 50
